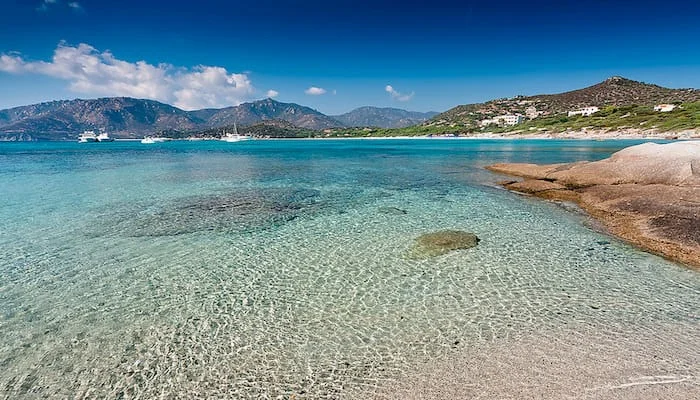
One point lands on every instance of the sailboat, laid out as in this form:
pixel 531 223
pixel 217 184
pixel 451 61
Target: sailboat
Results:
pixel 234 137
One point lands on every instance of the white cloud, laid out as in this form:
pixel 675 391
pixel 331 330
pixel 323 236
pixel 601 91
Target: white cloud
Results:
pixel 272 93
pixel 315 91
pixel 45 5
pixel 396 95
pixel 99 73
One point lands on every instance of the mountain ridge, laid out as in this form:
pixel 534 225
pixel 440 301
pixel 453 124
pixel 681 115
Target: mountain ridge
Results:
pixel 383 117
pixel 269 109
pixel 126 117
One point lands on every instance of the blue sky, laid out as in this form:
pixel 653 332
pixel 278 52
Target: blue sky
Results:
pixel 433 54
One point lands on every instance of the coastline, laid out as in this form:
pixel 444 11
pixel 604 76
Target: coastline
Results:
pixel 587 134
pixel 519 135
pixel 646 195
pixel 598 134
pixel 627 134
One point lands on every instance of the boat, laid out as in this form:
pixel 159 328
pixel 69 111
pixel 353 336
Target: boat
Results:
pixel 87 137
pixel 104 137
pixel 154 139
pixel 234 137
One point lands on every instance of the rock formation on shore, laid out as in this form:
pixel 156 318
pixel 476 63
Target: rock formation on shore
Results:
pixel 647 194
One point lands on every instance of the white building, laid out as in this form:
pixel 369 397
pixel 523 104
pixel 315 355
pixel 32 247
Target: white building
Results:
pixel 532 113
pixel 664 107
pixel 585 111
pixel 503 120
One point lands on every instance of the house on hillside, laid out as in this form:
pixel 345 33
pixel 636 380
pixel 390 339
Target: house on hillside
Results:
pixel 532 113
pixel 585 111
pixel 507 120
pixel 664 107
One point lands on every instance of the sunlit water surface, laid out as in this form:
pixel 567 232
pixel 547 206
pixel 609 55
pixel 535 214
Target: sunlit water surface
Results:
pixel 275 269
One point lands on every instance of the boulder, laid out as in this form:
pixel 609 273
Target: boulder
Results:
pixel 442 242
pixel 648 194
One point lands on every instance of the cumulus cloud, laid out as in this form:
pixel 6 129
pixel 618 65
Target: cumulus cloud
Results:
pixel 100 73
pixel 272 93
pixel 315 91
pixel 75 5
pixel 396 95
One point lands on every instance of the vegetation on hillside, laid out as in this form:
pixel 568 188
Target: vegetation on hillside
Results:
pixel 685 117
pixel 547 109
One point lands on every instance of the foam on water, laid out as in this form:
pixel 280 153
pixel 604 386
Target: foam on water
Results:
pixel 274 269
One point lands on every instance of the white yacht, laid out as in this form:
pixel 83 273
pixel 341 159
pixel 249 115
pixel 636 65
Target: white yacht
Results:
pixel 104 137
pixel 154 139
pixel 87 137
pixel 234 137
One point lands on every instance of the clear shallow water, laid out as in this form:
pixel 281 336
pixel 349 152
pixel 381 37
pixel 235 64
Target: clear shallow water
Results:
pixel 279 268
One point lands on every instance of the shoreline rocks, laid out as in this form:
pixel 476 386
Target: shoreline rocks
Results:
pixel 647 194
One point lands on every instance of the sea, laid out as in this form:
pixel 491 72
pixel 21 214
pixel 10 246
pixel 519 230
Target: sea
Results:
pixel 285 269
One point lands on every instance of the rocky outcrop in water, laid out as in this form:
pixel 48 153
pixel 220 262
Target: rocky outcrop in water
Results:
pixel 648 194
pixel 442 242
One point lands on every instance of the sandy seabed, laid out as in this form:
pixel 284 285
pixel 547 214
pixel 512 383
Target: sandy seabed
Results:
pixel 574 363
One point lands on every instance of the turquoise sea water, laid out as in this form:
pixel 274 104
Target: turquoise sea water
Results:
pixel 282 268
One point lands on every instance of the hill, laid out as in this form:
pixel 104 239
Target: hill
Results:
pixel 383 117
pixel 60 120
pixel 125 117
pixel 613 92
pixel 268 109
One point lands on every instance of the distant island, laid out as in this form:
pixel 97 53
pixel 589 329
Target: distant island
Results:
pixel 616 107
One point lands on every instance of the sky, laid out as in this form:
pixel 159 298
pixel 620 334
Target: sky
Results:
pixel 337 55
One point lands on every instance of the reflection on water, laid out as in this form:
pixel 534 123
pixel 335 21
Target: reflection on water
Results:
pixel 283 268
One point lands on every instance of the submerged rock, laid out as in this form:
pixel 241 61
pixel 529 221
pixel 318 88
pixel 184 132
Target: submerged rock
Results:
pixel 392 211
pixel 442 242
pixel 242 210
